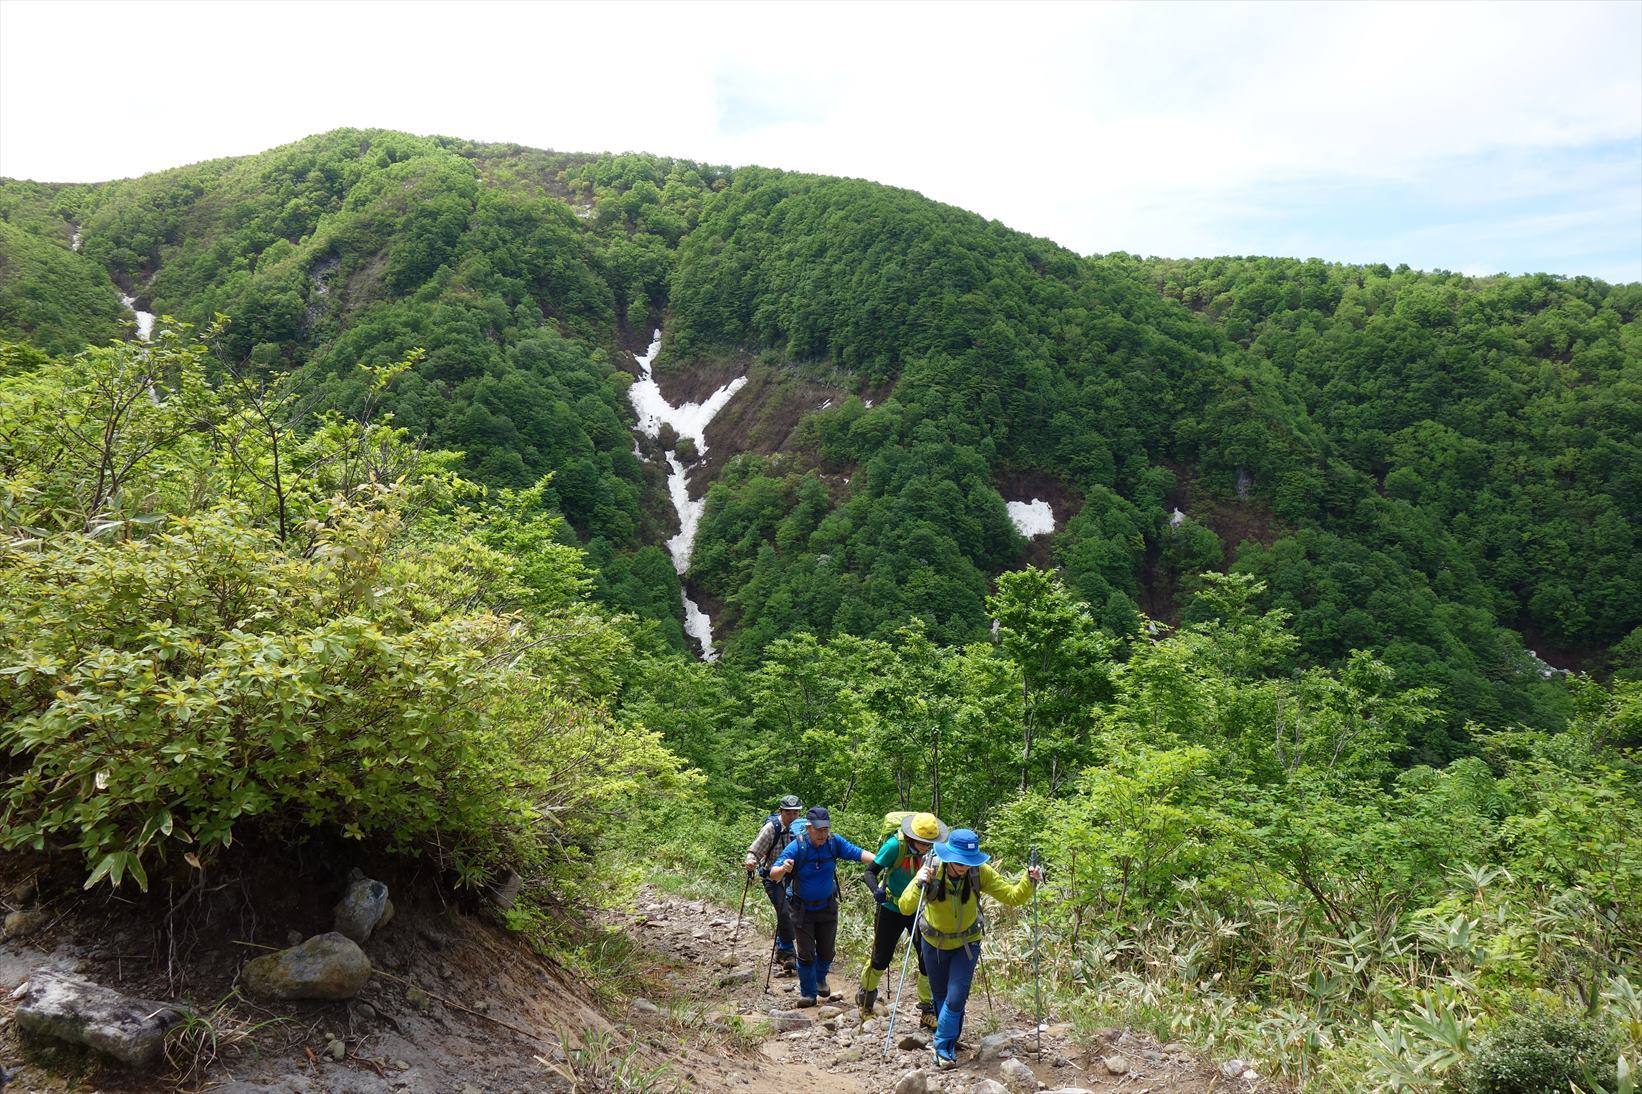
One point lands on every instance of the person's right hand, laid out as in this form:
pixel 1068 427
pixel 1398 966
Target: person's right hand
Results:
pixel 927 874
pixel 751 864
pixel 879 895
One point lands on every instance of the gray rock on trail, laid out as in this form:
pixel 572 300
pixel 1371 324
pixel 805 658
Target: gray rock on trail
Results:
pixel 828 1012
pixel 787 1020
pixel 642 1008
pixel 994 1045
pixel 1116 1065
pixel 68 1008
pixel 914 1042
pixel 913 1082
pixel 731 979
pixel 362 907
pixel 989 1086
pixel 1019 1076
pixel 327 966
pixel 1233 1069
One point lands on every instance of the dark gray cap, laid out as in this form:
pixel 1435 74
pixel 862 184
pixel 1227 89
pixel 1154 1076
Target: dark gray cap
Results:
pixel 790 802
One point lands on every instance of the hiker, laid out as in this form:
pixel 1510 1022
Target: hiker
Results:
pixel 903 856
pixel 952 925
pixel 773 836
pixel 812 861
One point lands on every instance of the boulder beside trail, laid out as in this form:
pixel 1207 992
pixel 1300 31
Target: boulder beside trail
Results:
pixel 362 908
pixel 24 921
pixel 327 966
pixel 69 1008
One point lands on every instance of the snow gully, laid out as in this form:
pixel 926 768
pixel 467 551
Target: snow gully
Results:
pixel 688 420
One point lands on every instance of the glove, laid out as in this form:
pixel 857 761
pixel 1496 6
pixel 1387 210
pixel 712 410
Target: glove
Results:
pixel 750 864
pixel 879 894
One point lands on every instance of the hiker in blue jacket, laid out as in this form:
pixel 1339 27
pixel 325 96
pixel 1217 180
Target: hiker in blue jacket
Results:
pixel 812 861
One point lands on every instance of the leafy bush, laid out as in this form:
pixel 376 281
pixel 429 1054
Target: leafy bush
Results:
pixel 1539 1050
pixel 186 657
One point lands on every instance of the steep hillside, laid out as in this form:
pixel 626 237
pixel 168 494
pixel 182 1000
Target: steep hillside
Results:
pixel 1414 463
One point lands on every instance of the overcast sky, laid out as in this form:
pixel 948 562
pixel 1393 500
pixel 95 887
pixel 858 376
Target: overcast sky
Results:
pixel 1472 137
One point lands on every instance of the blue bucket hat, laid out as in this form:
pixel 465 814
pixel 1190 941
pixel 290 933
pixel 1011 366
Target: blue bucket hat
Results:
pixel 963 846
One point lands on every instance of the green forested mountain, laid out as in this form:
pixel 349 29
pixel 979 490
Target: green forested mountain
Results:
pixel 1264 698
pixel 1424 465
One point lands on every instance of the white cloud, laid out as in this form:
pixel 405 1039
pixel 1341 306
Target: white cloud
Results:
pixel 1103 126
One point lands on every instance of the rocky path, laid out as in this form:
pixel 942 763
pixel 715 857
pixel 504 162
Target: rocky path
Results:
pixel 831 1049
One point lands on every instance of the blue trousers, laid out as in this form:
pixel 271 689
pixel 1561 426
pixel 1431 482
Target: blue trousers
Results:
pixel 815 933
pixel 950 974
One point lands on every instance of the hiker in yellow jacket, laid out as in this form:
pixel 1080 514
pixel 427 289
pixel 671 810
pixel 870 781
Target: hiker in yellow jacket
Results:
pixel 951 925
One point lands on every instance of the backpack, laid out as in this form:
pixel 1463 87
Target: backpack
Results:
pixel 893 822
pixel 892 827
pixel 807 850
pixel 777 845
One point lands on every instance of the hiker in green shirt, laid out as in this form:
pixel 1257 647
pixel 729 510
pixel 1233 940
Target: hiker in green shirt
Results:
pixel 902 855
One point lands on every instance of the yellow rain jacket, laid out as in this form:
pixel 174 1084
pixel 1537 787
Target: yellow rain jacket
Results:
pixel 950 923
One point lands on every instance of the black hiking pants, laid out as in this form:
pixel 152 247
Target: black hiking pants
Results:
pixel 887 930
pixel 816 930
pixel 783 917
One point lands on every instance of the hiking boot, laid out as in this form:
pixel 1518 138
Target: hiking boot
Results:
pixel 805 1001
pixel 928 1016
pixel 867 1001
pixel 943 1062
pixel 823 990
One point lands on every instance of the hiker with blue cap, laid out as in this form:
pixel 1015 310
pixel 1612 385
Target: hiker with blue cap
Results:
pixel 812 898
pixel 950 885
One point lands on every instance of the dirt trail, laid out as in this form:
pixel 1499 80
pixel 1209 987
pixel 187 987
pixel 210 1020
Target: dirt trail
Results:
pixel 830 1051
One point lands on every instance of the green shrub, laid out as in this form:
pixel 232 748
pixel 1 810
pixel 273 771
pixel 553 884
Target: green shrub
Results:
pixel 184 659
pixel 1538 1051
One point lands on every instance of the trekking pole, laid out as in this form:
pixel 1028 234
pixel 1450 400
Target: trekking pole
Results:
pixel 889 1032
pixel 1037 981
pixel 769 969
pixel 748 884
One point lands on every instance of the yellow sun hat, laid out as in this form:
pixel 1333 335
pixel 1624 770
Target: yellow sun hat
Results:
pixel 923 827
